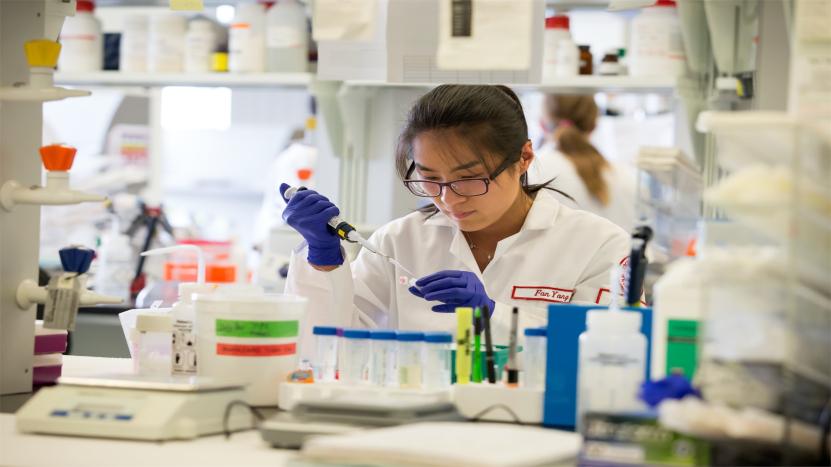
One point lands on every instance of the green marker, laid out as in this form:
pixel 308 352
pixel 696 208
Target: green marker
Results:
pixel 477 346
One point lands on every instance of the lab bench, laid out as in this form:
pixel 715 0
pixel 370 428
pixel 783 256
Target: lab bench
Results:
pixel 243 448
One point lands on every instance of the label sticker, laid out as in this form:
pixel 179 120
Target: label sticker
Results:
pixel 542 294
pixel 246 350
pixel 257 329
pixel 461 15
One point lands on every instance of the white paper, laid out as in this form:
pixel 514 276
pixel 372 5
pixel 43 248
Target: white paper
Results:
pixel 501 36
pixel 352 20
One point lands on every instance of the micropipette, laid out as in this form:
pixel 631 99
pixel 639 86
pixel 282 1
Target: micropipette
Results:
pixel 347 232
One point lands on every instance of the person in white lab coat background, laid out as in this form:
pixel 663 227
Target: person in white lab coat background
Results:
pixel 488 238
pixel 577 167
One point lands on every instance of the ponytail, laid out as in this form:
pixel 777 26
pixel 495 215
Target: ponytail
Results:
pixel 588 161
pixel 576 116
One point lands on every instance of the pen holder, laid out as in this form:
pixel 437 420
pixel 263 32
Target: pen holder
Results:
pixel 500 358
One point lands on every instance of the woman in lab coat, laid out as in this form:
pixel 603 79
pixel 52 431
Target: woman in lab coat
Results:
pixel 488 239
pixel 577 167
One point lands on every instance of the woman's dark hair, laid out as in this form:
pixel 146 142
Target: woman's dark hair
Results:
pixel 488 119
pixel 575 117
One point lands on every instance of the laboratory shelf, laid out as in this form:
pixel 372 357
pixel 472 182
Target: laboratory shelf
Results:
pixel 117 78
pixel 578 84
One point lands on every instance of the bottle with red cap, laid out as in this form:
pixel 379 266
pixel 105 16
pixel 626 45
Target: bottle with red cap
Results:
pixel 82 48
pixel 656 46
pixel 560 57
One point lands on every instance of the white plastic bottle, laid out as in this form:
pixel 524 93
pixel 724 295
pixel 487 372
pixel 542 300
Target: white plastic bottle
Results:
pixel 116 265
pixel 183 348
pixel 612 361
pixel 166 44
pixel 82 48
pixel 677 313
pixel 133 47
pixel 246 39
pixel 656 46
pixel 200 42
pixel 287 40
pixel 568 59
pixel 556 30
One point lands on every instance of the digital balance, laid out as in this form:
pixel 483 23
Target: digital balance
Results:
pixel 133 407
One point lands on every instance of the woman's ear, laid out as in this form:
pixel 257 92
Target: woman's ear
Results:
pixel 526 157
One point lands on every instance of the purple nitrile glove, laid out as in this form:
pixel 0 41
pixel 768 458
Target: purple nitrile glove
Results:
pixel 308 212
pixel 454 289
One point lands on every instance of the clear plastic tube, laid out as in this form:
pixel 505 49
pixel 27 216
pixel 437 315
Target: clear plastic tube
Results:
pixel 326 359
pixel 354 362
pixel 535 357
pixel 383 364
pixel 410 358
pixel 437 358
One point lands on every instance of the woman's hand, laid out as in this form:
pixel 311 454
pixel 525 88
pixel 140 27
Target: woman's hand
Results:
pixel 308 212
pixel 454 289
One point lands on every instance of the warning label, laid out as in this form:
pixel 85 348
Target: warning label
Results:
pixel 247 350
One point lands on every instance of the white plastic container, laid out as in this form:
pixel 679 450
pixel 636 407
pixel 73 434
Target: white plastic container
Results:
pixel 437 360
pixel 200 42
pixel 82 48
pixel 383 359
pixel 326 358
pixel 612 360
pixel 154 334
pixel 656 46
pixel 287 37
pixel 166 44
pixel 134 44
pixel 557 32
pixel 534 357
pixel 250 339
pixel 246 39
pixel 353 366
pixel 410 359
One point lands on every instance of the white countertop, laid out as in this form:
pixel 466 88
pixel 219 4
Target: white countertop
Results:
pixel 18 449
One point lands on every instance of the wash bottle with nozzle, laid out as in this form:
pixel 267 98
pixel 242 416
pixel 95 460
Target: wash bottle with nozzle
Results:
pixel 612 358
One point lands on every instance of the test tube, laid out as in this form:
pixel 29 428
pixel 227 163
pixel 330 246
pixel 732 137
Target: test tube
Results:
pixel 410 345
pixel 354 362
pixel 383 364
pixel 326 360
pixel 437 359
pixel 536 345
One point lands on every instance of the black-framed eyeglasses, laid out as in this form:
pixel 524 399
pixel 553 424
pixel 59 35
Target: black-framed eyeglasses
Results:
pixel 463 187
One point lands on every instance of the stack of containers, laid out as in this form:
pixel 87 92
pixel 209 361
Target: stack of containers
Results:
pixel 50 344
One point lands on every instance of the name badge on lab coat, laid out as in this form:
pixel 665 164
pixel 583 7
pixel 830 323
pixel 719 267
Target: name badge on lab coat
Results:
pixel 542 294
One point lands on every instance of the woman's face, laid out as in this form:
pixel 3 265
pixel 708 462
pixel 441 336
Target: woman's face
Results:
pixel 443 157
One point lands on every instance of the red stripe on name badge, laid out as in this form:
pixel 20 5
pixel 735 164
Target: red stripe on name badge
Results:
pixel 249 350
pixel 542 294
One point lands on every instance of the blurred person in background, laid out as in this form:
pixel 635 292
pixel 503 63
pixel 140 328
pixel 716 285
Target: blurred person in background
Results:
pixel 577 167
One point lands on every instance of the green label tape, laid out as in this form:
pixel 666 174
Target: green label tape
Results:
pixel 267 329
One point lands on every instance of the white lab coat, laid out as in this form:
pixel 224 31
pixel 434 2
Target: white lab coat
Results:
pixel 621 181
pixel 560 255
